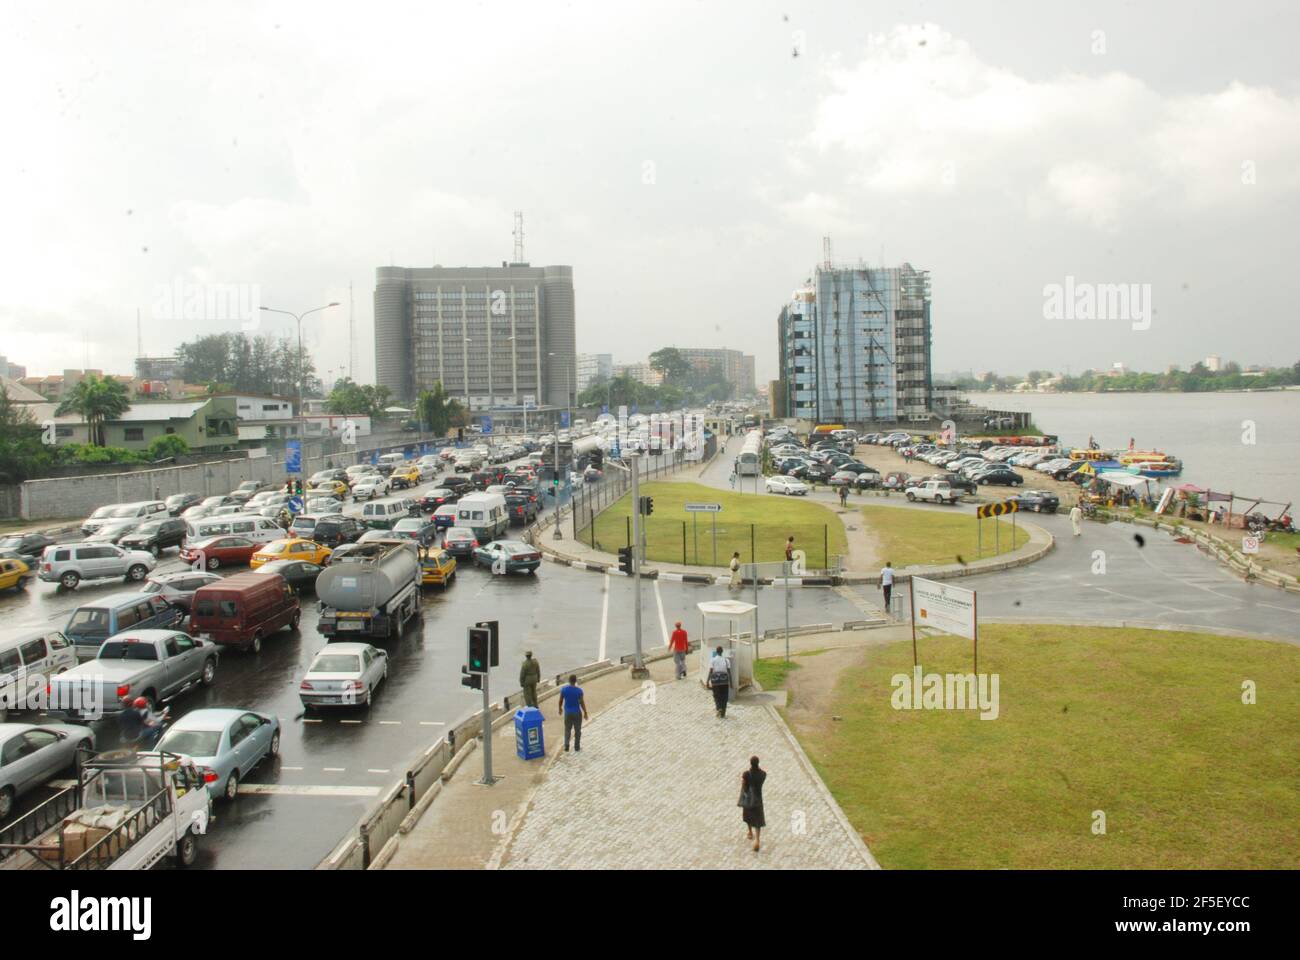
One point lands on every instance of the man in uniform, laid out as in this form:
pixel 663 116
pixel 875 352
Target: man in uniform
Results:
pixel 530 674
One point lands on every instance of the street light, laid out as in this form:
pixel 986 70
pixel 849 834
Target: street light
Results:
pixel 569 417
pixel 299 318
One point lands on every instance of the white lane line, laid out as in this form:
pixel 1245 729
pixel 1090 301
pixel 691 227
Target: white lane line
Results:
pixel 349 721
pixel 604 620
pixel 663 624
pixel 307 790
pixel 283 767
pixel 334 769
pixel 376 770
pixel 390 723
pixel 432 723
pixel 309 720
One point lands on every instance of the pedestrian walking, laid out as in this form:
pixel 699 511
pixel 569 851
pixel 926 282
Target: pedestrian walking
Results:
pixel 720 682
pixel 679 644
pixel 530 675
pixel 789 549
pixel 733 476
pixel 573 708
pixel 887 582
pixel 1076 518
pixel 735 571
pixel 751 801
pixel 844 495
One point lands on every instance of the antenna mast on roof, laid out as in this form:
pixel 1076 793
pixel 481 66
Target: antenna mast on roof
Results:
pixel 826 253
pixel 519 236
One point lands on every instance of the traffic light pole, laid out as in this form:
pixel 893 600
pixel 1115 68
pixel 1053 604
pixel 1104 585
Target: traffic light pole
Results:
pixel 488 779
pixel 639 670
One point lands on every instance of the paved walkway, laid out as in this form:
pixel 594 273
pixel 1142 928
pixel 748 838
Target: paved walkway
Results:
pixel 655 786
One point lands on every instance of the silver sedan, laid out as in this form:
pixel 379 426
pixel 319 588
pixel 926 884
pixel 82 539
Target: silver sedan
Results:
pixel 343 675
pixel 30 754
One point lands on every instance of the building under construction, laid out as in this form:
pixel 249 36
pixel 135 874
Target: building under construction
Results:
pixel 855 346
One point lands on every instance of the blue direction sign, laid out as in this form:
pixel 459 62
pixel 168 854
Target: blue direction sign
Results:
pixel 295 505
pixel 604 409
pixel 486 424
pixel 564 418
pixel 293 456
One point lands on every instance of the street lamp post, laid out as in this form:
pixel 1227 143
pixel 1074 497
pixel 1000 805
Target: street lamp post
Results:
pixel 298 318
pixel 569 417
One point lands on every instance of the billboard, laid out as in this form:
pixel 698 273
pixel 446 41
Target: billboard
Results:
pixel 947 608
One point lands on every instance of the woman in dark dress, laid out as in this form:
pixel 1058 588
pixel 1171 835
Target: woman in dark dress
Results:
pixel 751 789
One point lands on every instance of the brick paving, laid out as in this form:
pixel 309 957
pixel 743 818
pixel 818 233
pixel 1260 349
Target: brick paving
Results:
pixel 656 784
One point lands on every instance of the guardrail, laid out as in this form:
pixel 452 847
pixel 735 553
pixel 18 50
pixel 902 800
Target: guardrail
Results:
pixel 432 767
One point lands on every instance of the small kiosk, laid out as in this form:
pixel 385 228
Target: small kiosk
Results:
pixel 739 653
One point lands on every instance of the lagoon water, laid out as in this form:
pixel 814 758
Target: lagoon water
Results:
pixel 1207 431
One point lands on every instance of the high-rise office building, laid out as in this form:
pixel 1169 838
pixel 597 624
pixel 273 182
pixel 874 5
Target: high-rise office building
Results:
pixel 854 346
pixel 592 367
pixel 494 336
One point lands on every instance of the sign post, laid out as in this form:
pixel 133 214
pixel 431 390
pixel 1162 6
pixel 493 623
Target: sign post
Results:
pixel 715 509
pixel 946 608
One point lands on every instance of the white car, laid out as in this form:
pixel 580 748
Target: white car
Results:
pixel 343 675
pixel 790 486
pixel 324 505
pixel 369 487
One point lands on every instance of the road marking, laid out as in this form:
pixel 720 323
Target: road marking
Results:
pixel 283 767
pixel 309 720
pixel 390 723
pixel 307 790
pixel 376 770
pixel 350 721
pixel 432 723
pixel 334 769
pixel 663 624
pixel 604 621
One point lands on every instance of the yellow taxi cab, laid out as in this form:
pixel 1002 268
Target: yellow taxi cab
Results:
pixel 327 488
pixel 404 476
pixel 293 548
pixel 15 573
pixel 437 566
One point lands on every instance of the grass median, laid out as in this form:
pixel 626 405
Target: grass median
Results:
pixel 916 536
pixel 756 525
pixel 1145 727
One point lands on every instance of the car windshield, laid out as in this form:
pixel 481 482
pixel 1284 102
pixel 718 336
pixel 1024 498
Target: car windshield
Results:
pixel 88 620
pixel 127 650
pixel 460 533
pixel 213 501
pixel 148 529
pixel 410 523
pixel 102 512
pixel 336 663
pixel 128 511
pixel 192 743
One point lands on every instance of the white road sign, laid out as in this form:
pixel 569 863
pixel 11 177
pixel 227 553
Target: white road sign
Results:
pixel 1250 544
pixel 947 608
pixel 703 508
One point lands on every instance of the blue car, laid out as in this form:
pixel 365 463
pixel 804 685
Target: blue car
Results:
pixel 225 744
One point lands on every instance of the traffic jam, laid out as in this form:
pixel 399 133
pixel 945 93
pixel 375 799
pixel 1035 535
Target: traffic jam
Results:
pixel 238 648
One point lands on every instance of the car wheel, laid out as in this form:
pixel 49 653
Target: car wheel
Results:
pixel 213 563
pixel 295 620
pixel 137 573
pixel 69 580
pixel 187 849
pixel 1038 508
pixel 274 750
pixel 232 786
pixel 911 496
pixel 6 802
pixel 209 673
pixel 255 645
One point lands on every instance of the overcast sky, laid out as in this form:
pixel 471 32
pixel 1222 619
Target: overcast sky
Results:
pixel 677 155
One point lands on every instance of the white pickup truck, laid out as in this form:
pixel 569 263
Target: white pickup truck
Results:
pixel 154 664
pixel 936 491
pixel 126 812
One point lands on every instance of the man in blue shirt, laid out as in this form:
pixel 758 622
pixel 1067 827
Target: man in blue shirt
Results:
pixel 574 709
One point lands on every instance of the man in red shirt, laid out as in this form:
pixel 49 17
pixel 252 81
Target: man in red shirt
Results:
pixel 679 644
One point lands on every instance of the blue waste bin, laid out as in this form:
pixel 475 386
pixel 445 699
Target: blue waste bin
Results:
pixel 529 743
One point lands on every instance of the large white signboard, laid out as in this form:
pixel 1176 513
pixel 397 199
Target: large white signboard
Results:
pixel 944 607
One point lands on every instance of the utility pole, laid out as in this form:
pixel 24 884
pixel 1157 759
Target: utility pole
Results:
pixel 639 670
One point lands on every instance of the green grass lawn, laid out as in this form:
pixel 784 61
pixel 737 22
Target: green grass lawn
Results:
pixel 908 537
pixel 773 518
pixel 771 672
pixel 1147 726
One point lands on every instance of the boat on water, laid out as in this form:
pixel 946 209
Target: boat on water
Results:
pixel 1146 463
pixel 1155 468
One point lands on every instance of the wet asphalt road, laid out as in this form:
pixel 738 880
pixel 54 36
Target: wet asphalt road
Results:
pixel 292 812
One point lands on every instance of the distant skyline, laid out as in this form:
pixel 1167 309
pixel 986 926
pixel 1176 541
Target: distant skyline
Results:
pixel 677 155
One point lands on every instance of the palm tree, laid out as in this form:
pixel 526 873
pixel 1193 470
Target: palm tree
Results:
pixel 97 401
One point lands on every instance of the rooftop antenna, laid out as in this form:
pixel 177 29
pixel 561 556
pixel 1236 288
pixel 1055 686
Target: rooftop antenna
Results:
pixel 826 253
pixel 519 236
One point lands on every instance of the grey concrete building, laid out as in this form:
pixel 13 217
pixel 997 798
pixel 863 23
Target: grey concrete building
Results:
pixel 495 336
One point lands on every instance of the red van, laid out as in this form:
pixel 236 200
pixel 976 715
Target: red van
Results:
pixel 244 609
